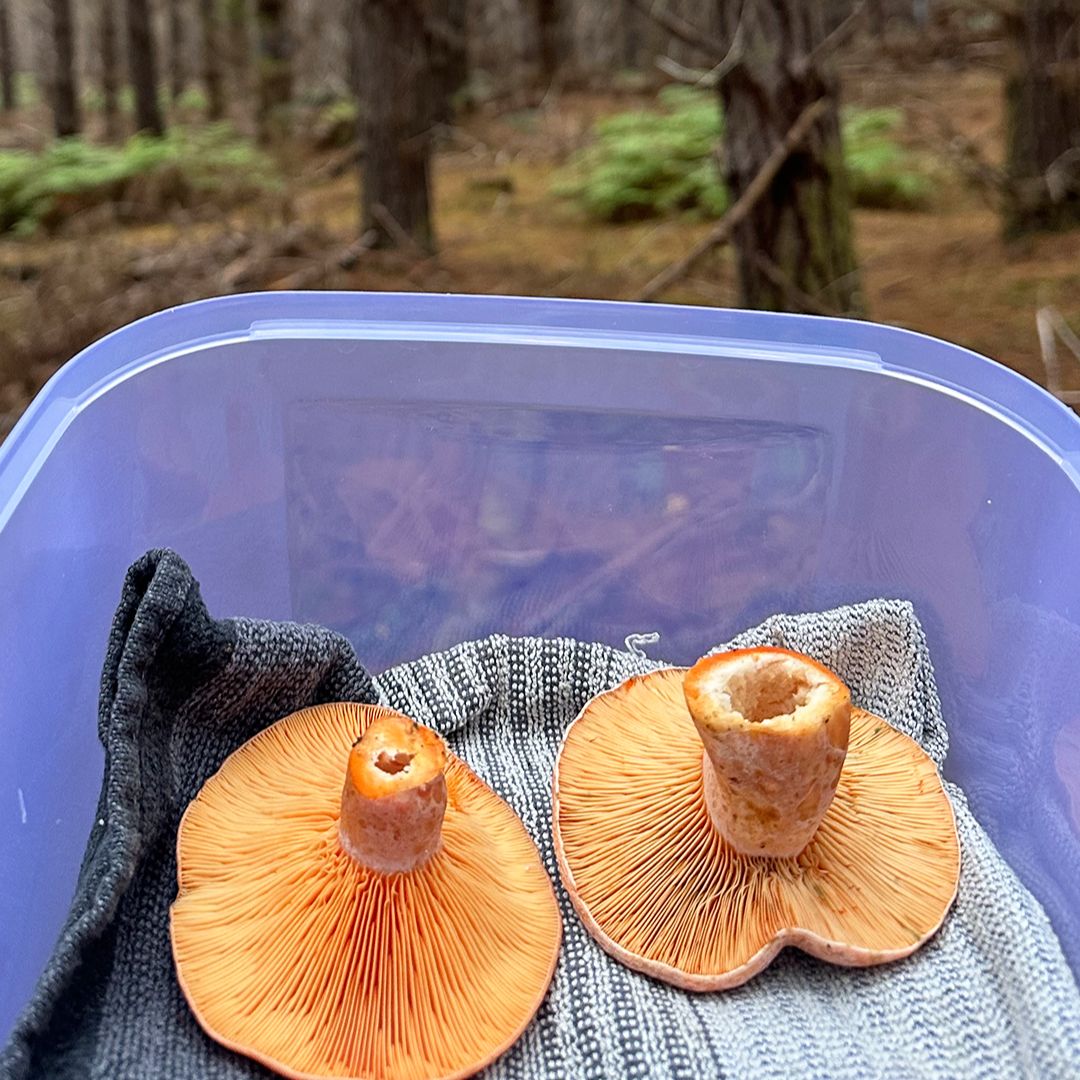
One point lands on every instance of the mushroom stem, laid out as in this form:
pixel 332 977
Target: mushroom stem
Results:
pixel 394 797
pixel 775 726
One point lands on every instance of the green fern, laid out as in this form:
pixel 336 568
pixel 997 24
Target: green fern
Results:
pixel 661 161
pixel 212 161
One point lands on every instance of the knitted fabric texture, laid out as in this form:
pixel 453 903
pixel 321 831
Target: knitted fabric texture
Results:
pixel 989 996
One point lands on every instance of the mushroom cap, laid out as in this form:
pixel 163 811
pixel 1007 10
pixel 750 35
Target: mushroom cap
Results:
pixel 291 952
pixel 660 889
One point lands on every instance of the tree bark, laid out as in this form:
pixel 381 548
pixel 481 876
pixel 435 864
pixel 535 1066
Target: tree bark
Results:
pixel 213 82
pixel 354 55
pixel 142 67
pixel 8 92
pixel 177 59
pixel 66 118
pixel 274 68
pixel 595 32
pixel 1042 109
pixel 396 124
pixel 505 46
pixel 548 16
pixel 238 48
pixel 448 58
pixel 801 230
pixel 110 67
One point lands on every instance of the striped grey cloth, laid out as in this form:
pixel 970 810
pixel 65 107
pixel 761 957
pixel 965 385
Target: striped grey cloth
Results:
pixel 990 996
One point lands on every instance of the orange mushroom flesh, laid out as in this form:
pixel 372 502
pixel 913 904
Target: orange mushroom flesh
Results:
pixel 394 798
pixel 775 728
pixel 403 928
pixel 661 889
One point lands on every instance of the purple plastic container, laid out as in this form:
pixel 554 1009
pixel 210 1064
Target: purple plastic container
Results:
pixel 417 470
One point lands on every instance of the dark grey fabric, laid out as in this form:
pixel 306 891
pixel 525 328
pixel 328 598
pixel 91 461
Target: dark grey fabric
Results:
pixel 179 692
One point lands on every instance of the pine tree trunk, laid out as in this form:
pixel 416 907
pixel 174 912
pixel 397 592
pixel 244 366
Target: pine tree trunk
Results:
pixel 142 67
pixel 238 26
pixel 66 119
pixel 110 66
pixel 396 124
pixel 448 58
pixel 1042 109
pixel 595 32
pixel 177 60
pixel 352 17
pixel 8 92
pixel 506 46
pixel 274 68
pixel 213 82
pixel 548 17
pixel 797 240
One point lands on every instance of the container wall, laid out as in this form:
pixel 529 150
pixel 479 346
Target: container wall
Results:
pixel 413 489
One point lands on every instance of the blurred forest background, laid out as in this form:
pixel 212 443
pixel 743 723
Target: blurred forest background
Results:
pixel 912 161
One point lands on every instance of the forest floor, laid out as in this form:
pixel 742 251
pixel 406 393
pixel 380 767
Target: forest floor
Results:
pixel 944 271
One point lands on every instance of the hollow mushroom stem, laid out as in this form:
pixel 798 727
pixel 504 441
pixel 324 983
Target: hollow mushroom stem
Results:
pixel 774 725
pixel 394 797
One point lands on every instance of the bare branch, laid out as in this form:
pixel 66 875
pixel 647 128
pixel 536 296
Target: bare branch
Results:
pixel 839 35
pixel 678 27
pixel 755 190
pixel 716 75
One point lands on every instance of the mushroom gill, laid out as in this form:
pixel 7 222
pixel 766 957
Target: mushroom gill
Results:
pixel 656 882
pixel 400 927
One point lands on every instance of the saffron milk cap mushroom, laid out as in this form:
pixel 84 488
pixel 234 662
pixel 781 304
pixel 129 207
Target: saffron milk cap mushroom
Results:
pixel 398 927
pixel 704 819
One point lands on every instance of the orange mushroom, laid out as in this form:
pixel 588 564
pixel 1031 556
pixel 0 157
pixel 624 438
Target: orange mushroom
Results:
pixel 697 868
pixel 401 927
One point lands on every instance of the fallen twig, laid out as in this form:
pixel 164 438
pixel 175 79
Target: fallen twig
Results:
pixel 1052 328
pixel 397 232
pixel 757 188
pixel 345 259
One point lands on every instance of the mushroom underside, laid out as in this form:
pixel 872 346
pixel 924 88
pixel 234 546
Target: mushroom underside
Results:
pixel 290 951
pixel 660 889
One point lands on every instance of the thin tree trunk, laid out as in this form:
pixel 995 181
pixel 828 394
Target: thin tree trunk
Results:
pixel 8 92
pixel 505 46
pixel 66 118
pixel 396 125
pixel 142 66
pixel 238 26
pixel 548 15
pixel 177 60
pixel 801 231
pixel 211 59
pixel 449 62
pixel 595 33
pixel 355 60
pixel 1042 109
pixel 275 68
pixel 110 66
pixel 875 18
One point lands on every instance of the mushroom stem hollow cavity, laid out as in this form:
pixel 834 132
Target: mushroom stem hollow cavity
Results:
pixel 775 726
pixel 394 798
